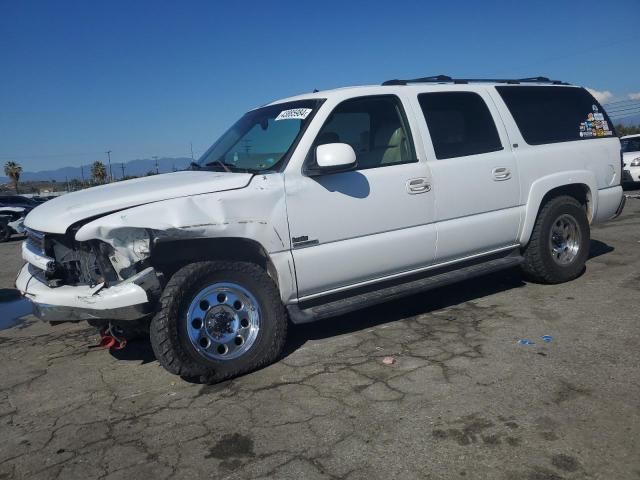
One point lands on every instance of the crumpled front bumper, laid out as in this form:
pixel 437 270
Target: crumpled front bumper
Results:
pixel 130 299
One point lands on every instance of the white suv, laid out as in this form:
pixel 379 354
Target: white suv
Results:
pixel 328 202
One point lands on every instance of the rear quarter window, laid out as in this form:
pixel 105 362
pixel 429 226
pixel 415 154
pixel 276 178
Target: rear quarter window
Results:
pixel 556 114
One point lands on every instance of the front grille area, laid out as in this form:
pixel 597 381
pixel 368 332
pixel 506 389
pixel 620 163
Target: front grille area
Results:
pixel 77 263
pixel 36 239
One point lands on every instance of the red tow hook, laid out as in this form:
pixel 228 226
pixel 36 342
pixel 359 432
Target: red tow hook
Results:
pixel 109 339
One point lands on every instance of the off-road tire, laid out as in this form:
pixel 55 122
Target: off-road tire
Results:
pixel 539 265
pixel 168 332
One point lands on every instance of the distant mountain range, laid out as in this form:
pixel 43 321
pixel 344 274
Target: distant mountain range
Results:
pixel 141 167
pixel 134 168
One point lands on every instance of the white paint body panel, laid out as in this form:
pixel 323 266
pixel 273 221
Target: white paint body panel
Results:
pixel 56 215
pixel 366 222
pixel 475 211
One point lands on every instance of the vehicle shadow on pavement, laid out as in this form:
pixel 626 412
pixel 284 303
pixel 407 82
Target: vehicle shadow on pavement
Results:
pixel 136 350
pixel 417 304
pixel 598 248
pixel 395 310
pixel 443 297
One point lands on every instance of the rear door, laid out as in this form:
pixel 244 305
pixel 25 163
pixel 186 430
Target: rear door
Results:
pixel 475 176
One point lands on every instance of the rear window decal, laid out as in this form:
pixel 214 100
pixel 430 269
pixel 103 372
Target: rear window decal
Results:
pixel 294 114
pixel 595 125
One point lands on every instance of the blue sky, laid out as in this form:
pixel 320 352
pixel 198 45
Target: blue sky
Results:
pixel 146 78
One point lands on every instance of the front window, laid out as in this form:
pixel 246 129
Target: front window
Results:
pixel 630 144
pixel 262 139
pixel 375 127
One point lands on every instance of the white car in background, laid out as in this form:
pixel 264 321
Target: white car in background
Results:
pixel 631 158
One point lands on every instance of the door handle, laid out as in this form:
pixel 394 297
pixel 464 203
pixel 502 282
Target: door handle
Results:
pixel 418 185
pixel 501 173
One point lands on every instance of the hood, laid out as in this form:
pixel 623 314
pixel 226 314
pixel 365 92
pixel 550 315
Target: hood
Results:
pixel 57 215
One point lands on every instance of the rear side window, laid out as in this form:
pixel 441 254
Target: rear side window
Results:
pixel 555 114
pixel 460 124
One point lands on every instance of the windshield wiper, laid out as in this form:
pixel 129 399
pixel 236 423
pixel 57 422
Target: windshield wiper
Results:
pixel 219 162
pixel 195 166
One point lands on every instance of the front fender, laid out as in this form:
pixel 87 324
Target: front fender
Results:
pixel 256 213
pixel 544 185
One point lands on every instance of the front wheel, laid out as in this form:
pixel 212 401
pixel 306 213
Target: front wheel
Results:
pixel 218 320
pixel 559 244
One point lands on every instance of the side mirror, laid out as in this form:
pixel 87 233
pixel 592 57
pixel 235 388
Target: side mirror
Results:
pixel 334 158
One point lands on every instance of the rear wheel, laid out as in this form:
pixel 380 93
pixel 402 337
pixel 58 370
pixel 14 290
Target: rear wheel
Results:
pixel 218 320
pixel 559 244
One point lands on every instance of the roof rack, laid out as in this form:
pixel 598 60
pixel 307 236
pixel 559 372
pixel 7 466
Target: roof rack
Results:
pixel 448 79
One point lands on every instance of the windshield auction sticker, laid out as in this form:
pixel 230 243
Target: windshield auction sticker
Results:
pixel 294 114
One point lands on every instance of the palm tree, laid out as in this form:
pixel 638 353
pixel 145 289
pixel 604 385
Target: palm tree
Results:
pixel 13 171
pixel 98 172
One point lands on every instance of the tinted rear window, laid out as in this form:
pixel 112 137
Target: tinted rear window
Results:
pixel 556 114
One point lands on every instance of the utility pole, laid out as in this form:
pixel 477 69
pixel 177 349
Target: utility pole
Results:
pixel 108 152
pixel 155 157
pixel 122 166
pixel 191 145
pixel 82 174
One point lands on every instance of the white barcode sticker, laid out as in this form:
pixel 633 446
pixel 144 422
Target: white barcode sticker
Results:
pixel 294 114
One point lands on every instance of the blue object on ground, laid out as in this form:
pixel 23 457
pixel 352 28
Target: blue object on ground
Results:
pixel 526 341
pixel 547 338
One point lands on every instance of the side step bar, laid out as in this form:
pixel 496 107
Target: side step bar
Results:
pixel 299 313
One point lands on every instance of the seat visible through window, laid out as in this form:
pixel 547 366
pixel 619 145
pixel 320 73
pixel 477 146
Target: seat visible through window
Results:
pixel 374 127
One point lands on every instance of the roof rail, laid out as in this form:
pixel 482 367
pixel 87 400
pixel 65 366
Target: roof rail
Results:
pixel 448 79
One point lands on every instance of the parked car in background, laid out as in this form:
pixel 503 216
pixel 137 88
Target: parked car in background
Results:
pixel 11 222
pixel 347 198
pixel 18 201
pixel 631 158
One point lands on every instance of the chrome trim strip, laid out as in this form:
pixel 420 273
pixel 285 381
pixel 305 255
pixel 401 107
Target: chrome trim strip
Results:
pixel 404 274
pixel 35 257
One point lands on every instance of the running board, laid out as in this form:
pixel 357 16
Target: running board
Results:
pixel 308 312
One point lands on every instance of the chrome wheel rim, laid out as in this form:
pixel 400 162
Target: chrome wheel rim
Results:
pixel 564 239
pixel 223 321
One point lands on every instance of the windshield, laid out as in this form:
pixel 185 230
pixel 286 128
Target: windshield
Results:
pixel 261 139
pixel 630 144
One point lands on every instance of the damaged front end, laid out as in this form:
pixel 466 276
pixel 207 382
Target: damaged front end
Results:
pixel 70 280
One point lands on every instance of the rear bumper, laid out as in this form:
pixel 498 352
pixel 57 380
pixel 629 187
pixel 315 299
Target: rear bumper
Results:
pixel 131 299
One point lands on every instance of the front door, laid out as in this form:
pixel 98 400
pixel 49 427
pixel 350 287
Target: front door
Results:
pixel 356 227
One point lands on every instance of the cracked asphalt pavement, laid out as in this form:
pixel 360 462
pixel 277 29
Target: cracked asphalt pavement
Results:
pixel 462 400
